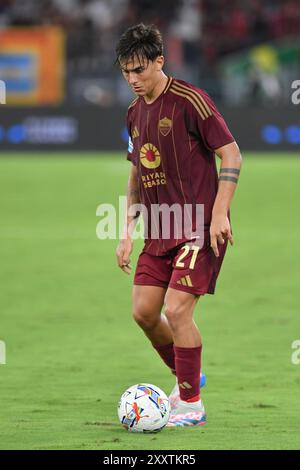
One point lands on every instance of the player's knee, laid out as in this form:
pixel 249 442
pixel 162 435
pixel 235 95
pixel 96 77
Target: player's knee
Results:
pixel 144 318
pixel 175 315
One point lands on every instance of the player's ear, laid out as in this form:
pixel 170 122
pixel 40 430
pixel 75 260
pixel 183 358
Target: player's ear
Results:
pixel 160 62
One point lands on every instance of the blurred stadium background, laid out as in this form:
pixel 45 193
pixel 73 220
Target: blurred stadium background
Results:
pixel 65 308
pixel 57 58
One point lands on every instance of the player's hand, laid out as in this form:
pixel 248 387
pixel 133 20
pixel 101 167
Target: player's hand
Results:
pixel 220 231
pixel 123 253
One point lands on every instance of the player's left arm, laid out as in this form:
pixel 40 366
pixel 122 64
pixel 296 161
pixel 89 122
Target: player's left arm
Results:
pixel 220 228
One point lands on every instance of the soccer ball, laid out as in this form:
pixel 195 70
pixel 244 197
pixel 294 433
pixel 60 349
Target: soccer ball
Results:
pixel 144 408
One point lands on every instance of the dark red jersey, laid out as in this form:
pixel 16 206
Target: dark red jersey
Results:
pixel 172 143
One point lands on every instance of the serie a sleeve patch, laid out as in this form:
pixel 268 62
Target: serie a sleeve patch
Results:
pixel 130 145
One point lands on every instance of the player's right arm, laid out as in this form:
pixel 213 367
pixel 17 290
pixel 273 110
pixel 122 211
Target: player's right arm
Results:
pixel 125 245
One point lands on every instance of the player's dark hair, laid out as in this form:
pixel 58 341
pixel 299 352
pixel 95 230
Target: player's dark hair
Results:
pixel 139 41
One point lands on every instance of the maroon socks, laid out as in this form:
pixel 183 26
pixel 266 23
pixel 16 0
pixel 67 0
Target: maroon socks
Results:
pixel 187 365
pixel 166 352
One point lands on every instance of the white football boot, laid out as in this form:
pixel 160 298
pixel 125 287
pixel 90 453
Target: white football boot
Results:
pixel 187 414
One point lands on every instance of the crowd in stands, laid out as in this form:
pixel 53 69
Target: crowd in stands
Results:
pixel 232 25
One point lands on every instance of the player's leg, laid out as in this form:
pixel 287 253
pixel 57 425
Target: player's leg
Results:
pixel 151 281
pixel 147 305
pixel 179 310
pixel 195 271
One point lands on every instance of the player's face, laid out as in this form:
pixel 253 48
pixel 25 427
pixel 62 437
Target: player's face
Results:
pixel 142 75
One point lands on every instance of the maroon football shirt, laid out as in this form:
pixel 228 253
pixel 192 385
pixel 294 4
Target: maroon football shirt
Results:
pixel 172 143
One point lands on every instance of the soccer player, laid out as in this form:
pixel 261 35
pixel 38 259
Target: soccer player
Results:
pixel 175 130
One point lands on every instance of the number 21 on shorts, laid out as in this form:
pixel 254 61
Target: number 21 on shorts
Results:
pixel 180 263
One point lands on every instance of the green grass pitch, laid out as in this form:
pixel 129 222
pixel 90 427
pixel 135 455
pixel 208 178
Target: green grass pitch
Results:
pixel 65 313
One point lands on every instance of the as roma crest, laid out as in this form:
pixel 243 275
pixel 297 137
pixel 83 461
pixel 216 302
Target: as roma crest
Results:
pixel 165 125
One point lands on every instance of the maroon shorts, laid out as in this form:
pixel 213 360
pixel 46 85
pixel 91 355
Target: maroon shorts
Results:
pixel 186 268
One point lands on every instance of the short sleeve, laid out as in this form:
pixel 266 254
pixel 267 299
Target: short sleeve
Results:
pixel 206 121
